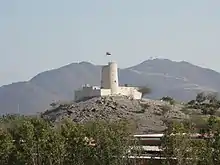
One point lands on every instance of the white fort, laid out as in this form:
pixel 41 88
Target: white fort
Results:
pixel 109 86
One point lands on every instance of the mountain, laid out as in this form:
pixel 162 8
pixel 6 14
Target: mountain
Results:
pixel 180 80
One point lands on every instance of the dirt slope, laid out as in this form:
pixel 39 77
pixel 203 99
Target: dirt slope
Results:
pixel 147 114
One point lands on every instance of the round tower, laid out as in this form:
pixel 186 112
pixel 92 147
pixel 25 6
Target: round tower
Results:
pixel 105 77
pixel 113 77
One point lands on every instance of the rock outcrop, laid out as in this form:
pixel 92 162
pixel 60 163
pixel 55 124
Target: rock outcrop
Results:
pixel 149 115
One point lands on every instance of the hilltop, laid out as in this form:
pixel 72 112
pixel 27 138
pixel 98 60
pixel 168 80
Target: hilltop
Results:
pixel 180 80
pixel 149 115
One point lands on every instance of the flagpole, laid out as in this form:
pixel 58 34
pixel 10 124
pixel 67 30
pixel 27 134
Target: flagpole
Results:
pixel 108 54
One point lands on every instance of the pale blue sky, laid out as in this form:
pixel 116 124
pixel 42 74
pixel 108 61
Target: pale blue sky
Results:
pixel 38 35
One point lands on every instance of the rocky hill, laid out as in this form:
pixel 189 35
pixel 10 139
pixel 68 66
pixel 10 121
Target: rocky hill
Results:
pixel 180 80
pixel 149 115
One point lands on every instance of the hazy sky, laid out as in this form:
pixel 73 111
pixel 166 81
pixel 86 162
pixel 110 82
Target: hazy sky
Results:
pixel 37 35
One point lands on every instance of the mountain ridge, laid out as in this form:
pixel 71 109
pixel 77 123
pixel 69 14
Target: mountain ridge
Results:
pixel 181 80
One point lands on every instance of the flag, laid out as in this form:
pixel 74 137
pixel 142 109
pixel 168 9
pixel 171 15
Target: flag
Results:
pixel 108 54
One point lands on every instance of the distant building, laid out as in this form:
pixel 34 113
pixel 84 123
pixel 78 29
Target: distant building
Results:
pixel 109 86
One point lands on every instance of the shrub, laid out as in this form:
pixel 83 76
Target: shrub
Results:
pixel 165 109
pixel 144 90
pixel 168 99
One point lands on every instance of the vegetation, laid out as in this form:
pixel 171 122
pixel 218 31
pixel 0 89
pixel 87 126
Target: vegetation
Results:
pixel 207 103
pixel 178 143
pixel 144 90
pixel 34 141
pixel 168 99
pixel 165 109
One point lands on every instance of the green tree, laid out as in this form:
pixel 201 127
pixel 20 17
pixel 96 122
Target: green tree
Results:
pixel 48 142
pixel 22 132
pixel 207 103
pixel 200 97
pixel 6 146
pixel 96 143
pixel 212 135
pixel 177 143
pixel 108 136
pixel 34 141
pixel 168 99
pixel 144 90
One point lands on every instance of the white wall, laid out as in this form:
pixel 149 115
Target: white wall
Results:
pixel 91 92
pixel 105 92
pixel 130 91
pixel 87 92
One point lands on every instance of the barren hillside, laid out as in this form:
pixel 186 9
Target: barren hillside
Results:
pixel 149 115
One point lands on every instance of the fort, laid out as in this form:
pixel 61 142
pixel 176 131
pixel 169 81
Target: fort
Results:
pixel 109 86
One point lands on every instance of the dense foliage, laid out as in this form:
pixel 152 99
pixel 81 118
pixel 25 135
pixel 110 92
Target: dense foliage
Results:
pixel 191 142
pixel 168 99
pixel 34 141
pixel 180 143
pixel 207 103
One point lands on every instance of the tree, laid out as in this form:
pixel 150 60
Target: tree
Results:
pixel 48 142
pixel 96 142
pixel 107 142
pixel 35 141
pixel 144 90
pixel 177 143
pixel 6 146
pixel 168 99
pixel 22 132
pixel 200 97
pixel 212 134
pixel 207 103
